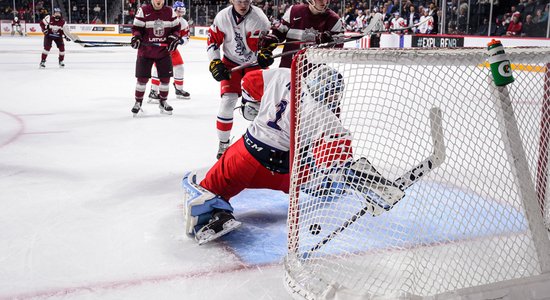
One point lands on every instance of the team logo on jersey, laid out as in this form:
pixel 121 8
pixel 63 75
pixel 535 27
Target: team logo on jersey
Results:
pixel 309 34
pixel 240 49
pixel 158 28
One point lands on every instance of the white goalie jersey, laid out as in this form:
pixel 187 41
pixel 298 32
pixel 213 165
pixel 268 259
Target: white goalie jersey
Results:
pixel 272 125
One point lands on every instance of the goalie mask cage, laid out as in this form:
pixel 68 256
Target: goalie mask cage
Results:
pixel 472 225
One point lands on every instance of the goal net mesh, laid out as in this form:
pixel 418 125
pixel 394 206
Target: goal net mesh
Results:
pixel 463 223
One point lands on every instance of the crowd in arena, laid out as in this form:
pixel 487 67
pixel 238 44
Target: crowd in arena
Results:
pixel 514 18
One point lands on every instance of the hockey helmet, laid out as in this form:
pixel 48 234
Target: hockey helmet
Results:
pixel 179 6
pixel 325 85
pixel 16 19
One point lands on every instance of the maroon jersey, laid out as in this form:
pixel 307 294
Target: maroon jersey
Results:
pixel 300 24
pixel 55 27
pixel 154 26
pixel 15 23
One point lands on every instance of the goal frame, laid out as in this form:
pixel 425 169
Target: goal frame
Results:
pixel 536 211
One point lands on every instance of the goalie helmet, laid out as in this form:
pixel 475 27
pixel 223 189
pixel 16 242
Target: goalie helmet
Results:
pixel 179 7
pixel 325 85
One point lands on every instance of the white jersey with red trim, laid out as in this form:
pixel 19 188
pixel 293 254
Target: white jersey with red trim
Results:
pixel 272 125
pixel 184 31
pixel 237 35
pixel 398 23
pixel 426 24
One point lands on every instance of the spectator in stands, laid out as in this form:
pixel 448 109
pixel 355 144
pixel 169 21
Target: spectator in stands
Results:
pixel 529 28
pixel 435 17
pixel 502 24
pixel 530 8
pixel 483 28
pixel 515 26
pixel 412 17
pixel 539 17
pixel 97 10
pixel 521 5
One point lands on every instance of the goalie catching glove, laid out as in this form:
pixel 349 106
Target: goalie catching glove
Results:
pixel 219 70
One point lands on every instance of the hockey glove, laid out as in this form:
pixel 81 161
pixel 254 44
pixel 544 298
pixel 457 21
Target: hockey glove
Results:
pixel 268 41
pixel 219 70
pixel 324 37
pixel 173 42
pixel 184 40
pixel 135 42
pixel 265 58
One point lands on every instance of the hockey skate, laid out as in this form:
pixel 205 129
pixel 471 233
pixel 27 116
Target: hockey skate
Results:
pixel 62 64
pixel 222 148
pixel 137 108
pixel 154 97
pixel 165 108
pixel 42 64
pixel 222 223
pixel 181 94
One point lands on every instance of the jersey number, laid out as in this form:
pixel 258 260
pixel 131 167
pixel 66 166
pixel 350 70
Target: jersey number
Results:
pixel 281 107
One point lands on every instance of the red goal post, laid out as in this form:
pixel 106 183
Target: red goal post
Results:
pixel 475 222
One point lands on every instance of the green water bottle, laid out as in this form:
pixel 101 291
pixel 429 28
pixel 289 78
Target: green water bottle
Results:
pixel 500 65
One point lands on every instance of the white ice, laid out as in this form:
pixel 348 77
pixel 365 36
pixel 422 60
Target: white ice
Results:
pixel 90 198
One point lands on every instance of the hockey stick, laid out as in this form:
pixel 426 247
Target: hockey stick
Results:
pixel 101 43
pixel 312 45
pixel 367 31
pixel 404 181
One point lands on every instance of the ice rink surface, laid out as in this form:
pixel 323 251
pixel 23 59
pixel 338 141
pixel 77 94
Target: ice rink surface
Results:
pixel 91 199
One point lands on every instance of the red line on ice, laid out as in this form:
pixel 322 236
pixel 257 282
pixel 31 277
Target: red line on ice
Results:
pixel 121 284
pixel 18 133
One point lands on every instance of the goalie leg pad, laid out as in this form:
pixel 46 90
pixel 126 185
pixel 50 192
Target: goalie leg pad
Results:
pixel 199 204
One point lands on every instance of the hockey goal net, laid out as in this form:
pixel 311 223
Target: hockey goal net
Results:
pixel 471 159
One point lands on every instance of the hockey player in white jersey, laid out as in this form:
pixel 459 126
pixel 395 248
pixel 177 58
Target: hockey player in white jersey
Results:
pixel 397 22
pixel 260 159
pixel 237 30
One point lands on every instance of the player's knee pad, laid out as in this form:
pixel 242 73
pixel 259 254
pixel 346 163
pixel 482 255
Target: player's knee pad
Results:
pixel 227 105
pixel 199 204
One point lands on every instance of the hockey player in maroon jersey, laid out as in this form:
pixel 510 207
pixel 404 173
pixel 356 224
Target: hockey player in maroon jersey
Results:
pixel 313 22
pixel 16 26
pixel 155 34
pixel 236 29
pixel 177 61
pixel 54 29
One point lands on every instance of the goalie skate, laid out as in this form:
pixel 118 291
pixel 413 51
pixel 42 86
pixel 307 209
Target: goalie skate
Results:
pixel 365 180
pixel 222 223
